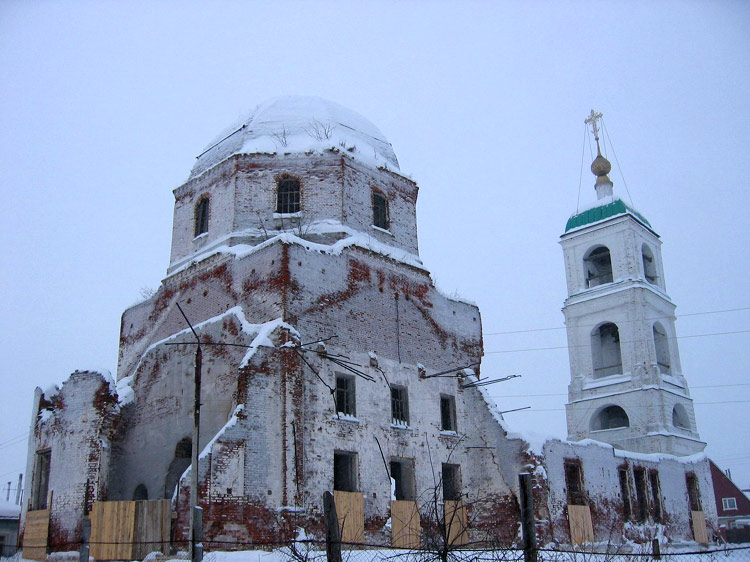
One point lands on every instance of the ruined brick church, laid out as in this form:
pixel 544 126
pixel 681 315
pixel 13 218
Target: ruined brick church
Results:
pixel 330 362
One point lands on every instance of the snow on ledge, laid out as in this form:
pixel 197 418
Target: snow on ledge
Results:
pixel 289 236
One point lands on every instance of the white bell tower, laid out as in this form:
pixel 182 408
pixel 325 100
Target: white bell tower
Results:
pixel 627 387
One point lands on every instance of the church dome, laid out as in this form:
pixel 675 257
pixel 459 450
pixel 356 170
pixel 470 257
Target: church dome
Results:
pixel 300 124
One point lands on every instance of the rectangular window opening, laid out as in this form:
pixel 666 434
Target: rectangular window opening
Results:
pixel 402 472
pixel 451 482
pixel 639 475
pixel 345 471
pixel 40 484
pixel 345 396
pixel 625 493
pixel 574 483
pixel 653 477
pixel 694 496
pixel 399 406
pixel 447 413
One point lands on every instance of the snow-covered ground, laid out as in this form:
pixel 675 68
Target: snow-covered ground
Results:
pixel 684 553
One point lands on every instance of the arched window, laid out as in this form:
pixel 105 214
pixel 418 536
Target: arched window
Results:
pixel 605 351
pixel 182 454
pixel 597 267
pixel 649 264
pixel 610 417
pixel 379 210
pixel 140 493
pixel 288 196
pixel 680 417
pixel 201 216
pixel 661 344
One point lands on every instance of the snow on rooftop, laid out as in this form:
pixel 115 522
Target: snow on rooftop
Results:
pixel 9 510
pixel 300 124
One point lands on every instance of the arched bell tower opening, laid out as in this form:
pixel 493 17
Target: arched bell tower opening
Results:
pixel 621 327
pixel 597 265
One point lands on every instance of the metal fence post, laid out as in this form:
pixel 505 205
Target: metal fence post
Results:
pixel 656 549
pixel 527 518
pixel 85 536
pixel 197 538
pixel 333 538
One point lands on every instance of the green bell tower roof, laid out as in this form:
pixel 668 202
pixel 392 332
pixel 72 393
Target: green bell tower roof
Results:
pixel 614 207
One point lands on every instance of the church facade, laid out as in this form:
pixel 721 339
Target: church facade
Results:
pixel 328 361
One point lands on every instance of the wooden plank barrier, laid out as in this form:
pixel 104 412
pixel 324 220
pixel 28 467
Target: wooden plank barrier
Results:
pixel 700 533
pixel 581 527
pixel 405 524
pixel 350 508
pixel 152 527
pixel 456 522
pixel 35 533
pixel 112 530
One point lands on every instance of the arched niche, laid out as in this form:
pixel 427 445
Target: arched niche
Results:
pixel 610 417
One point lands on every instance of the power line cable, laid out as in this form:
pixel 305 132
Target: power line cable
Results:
pixel 628 342
pixel 625 321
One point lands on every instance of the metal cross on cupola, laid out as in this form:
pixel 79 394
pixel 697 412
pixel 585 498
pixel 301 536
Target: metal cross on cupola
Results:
pixel 593 120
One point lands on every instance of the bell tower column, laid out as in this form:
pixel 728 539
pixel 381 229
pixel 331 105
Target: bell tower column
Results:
pixel 627 386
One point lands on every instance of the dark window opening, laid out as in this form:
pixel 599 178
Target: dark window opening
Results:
pixel 40 484
pixel 399 406
pixel 402 473
pixel 288 196
pixel 661 345
pixel 605 351
pixel 574 483
pixel 694 496
pixel 680 417
pixel 641 496
pixel 610 417
pixel 451 482
pixel 183 451
pixel 345 472
pixel 345 399
pixel 653 477
pixel 379 210
pixel 201 216
pixel 447 413
pixel 140 493
pixel 649 264
pixel 627 509
pixel 598 267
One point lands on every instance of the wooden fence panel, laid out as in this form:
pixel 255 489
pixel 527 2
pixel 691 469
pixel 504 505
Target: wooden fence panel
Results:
pixel 350 509
pixel 456 522
pixel 405 524
pixel 581 527
pixel 152 527
pixel 700 533
pixel 35 533
pixel 113 530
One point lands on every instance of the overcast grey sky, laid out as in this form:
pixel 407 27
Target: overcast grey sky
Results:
pixel 105 105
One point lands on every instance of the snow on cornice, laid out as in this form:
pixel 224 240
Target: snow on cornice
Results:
pixel 647 457
pixel 328 226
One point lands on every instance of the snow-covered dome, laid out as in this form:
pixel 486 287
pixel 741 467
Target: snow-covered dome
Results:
pixel 300 124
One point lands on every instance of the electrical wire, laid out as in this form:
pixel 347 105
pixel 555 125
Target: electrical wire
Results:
pixel 624 322
pixel 628 342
